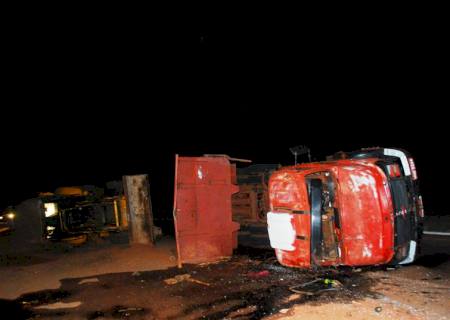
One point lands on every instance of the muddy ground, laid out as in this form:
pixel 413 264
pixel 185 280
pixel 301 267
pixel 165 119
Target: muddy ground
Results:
pixel 251 285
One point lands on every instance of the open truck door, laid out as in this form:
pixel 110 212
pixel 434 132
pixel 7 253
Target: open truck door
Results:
pixel 304 224
pixel 202 213
pixel 289 221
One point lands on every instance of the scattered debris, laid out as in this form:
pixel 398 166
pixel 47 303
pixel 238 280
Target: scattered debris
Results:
pixel 184 277
pixel 390 269
pixel 259 274
pixel 60 305
pixel 88 280
pixel 129 309
pixel 217 261
pixel 242 312
pixel 333 283
pixel 317 286
pixel 284 311
pixel 276 268
pixel 125 313
pixel 30 302
pixel 136 274
pixel 293 297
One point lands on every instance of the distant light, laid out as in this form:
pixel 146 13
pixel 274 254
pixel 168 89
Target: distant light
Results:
pixel 1 217
pixel 51 209
pixel 10 215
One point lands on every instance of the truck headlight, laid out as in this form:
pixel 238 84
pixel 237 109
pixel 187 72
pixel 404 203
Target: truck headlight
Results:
pixel 51 209
pixel 10 215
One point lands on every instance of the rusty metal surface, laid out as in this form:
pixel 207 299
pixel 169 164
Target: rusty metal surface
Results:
pixel 245 204
pixel 251 203
pixel 140 216
pixel 202 209
pixel 123 213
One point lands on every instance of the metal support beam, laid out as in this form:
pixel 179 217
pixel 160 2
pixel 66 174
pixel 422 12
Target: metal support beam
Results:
pixel 140 215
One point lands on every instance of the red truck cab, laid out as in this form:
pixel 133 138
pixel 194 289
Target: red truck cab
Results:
pixel 361 209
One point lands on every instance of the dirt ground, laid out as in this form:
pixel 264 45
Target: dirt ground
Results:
pixel 116 281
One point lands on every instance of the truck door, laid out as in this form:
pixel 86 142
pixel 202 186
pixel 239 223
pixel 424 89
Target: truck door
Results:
pixel 289 222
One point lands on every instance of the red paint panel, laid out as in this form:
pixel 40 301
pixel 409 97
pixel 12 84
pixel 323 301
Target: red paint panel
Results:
pixel 288 193
pixel 300 257
pixel 202 209
pixel 366 215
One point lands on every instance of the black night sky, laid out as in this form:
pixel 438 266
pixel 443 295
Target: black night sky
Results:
pixel 90 99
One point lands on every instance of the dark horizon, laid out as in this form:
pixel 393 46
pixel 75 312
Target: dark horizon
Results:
pixel 105 164
pixel 89 102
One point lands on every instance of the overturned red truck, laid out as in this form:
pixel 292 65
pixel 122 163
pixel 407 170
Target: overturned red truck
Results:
pixel 359 208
